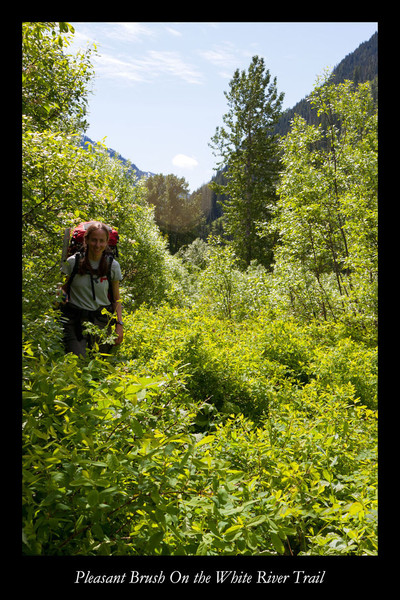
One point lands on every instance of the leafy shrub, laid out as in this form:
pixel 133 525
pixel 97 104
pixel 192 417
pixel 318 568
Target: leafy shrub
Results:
pixel 217 368
pixel 195 255
pixel 349 362
pixel 290 345
pixel 220 280
pixel 112 464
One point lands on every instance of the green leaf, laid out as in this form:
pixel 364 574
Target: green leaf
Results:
pixel 93 498
pixel 233 528
pixel 50 498
pixel 154 541
pixel 137 428
pixel 112 462
pixel 355 508
pixel 277 543
pixel 205 440
pixel 327 475
pixel 97 531
pixel 82 481
pixel 256 521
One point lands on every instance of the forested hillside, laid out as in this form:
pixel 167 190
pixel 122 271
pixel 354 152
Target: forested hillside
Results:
pixel 358 66
pixel 239 415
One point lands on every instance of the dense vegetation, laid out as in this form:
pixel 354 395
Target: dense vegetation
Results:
pixel 240 414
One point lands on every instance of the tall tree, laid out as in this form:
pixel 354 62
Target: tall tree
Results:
pixel 177 213
pixel 327 210
pixel 54 83
pixel 249 152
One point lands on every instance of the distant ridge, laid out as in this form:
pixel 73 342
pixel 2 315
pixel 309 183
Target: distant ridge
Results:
pixel 114 154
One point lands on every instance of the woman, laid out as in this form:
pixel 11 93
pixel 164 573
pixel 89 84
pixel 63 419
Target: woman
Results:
pixel 88 293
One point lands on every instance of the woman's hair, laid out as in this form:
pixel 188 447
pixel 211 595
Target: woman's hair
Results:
pixel 84 263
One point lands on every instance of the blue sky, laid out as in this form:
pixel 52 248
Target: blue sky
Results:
pixel 158 92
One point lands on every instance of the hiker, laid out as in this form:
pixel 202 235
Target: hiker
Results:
pixel 93 285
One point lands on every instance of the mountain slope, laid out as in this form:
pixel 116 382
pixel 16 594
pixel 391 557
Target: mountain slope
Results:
pixel 114 154
pixel 358 66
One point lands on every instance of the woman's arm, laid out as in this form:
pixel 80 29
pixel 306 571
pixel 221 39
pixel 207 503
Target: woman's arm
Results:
pixel 118 310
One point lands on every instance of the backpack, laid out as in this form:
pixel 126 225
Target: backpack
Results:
pixel 73 243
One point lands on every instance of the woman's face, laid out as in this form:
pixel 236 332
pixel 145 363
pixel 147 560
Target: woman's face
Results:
pixel 97 243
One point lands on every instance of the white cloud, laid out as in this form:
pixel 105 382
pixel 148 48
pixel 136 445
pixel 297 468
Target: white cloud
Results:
pixel 172 63
pixel 226 57
pixel 110 67
pixel 223 55
pixel 148 67
pixel 184 162
pixel 122 55
pixel 220 57
pixel 127 31
pixel 173 31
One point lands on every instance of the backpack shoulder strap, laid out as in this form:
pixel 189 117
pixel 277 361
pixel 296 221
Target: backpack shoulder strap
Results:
pixel 67 286
pixel 110 289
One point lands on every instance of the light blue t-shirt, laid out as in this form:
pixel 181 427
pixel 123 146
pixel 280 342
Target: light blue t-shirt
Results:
pixel 81 288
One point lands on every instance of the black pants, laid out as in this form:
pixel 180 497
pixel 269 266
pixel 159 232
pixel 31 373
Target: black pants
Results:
pixel 73 318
